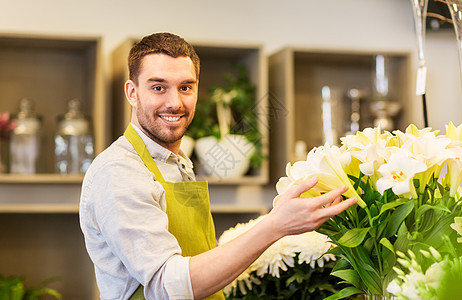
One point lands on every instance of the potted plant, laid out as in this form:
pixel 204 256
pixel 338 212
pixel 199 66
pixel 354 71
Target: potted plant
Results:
pixel 225 128
pixel 14 288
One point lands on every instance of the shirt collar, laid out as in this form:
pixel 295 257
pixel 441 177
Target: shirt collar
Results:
pixel 161 153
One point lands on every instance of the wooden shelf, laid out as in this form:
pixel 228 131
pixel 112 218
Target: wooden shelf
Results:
pixel 50 71
pixel 239 209
pixel 40 232
pixel 40 178
pixel 40 208
pixel 296 78
pixel 216 60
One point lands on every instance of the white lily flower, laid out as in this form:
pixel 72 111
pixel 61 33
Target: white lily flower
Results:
pixel 433 151
pixel 412 132
pixel 430 149
pixel 363 138
pixel 457 226
pixel 398 173
pixel 325 165
pixel 454 133
pixel 371 157
pixel 454 174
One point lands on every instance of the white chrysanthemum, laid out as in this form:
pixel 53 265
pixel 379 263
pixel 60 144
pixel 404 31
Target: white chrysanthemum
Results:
pixel 311 248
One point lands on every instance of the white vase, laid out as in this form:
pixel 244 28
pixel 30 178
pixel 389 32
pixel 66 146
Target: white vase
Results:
pixel 187 145
pixel 225 158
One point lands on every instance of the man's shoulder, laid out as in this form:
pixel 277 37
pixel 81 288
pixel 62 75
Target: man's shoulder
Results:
pixel 119 151
pixel 118 158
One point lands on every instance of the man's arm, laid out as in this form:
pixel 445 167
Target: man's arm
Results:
pixel 213 270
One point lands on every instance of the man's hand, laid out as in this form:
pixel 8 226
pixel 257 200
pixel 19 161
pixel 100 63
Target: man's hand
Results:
pixel 294 215
pixel 212 270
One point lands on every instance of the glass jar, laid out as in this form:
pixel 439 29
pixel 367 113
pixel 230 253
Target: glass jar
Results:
pixel 25 139
pixel 74 150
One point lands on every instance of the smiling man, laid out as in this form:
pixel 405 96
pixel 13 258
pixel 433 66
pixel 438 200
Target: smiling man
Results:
pixel 146 220
pixel 163 97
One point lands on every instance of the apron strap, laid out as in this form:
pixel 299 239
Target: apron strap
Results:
pixel 140 148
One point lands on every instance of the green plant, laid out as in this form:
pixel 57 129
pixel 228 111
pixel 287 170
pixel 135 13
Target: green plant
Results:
pixel 13 288
pixel 230 109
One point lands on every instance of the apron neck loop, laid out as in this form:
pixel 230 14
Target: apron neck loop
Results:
pixel 140 148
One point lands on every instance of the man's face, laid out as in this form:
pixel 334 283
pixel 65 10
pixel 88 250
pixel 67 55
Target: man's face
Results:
pixel 164 101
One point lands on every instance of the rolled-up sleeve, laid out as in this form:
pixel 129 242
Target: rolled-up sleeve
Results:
pixel 122 214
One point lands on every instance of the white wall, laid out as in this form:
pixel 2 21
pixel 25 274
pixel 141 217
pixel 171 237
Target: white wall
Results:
pixel 380 25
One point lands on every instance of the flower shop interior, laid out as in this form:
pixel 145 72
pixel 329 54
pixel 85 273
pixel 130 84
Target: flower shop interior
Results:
pixel 317 71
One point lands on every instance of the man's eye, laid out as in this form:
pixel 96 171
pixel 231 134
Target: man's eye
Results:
pixel 185 88
pixel 158 88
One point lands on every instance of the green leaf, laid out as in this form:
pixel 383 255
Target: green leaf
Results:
pixel 346 292
pixel 388 262
pixel 371 280
pixel 390 205
pixel 296 277
pixel 341 264
pixel 441 228
pixel 363 258
pixel 424 208
pixel 353 237
pixel 402 241
pixel 388 257
pixel 397 218
pixel 387 244
pixel 367 270
pixel 350 276
pixel 368 245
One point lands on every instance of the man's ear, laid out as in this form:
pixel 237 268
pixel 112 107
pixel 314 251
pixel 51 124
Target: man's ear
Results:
pixel 130 92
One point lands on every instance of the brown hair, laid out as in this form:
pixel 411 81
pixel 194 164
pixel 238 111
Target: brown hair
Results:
pixel 165 43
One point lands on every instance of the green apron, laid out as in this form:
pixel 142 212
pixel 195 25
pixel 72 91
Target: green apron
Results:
pixel 188 210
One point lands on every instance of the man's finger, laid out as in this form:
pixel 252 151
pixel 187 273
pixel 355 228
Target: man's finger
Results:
pixel 304 186
pixel 331 196
pixel 336 201
pixel 338 208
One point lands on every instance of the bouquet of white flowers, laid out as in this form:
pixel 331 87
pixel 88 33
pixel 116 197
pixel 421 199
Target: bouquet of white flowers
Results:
pixel 408 190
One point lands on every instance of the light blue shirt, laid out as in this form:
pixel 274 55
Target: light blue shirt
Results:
pixel 123 219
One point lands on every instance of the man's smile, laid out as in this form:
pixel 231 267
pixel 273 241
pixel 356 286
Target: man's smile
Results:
pixel 170 118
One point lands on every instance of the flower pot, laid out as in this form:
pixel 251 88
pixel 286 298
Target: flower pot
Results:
pixel 225 158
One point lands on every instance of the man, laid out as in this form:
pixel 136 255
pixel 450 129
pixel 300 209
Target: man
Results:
pixel 146 221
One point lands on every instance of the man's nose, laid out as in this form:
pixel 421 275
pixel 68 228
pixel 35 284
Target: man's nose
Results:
pixel 175 100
